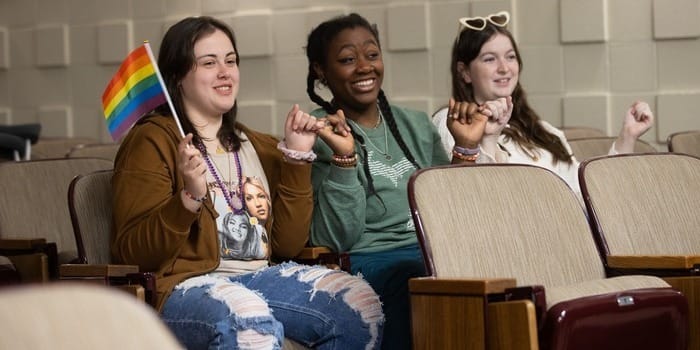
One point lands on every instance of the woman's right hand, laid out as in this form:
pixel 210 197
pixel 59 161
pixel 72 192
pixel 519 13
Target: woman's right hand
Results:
pixel 336 134
pixel 466 122
pixel 499 112
pixel 192 167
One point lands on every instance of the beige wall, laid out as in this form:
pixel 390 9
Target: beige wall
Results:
pixel 585 60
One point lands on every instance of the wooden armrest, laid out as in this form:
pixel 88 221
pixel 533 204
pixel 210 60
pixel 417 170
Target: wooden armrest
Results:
pixel 653 261
pixel 141 284
pixel 433 285
pixel 86 270
pixel 136 290
pixel 456 314
pixel 512 325
pixel 324 256
pixel 21 244
pixel 32 267
pixel 313 252
pixel 13 247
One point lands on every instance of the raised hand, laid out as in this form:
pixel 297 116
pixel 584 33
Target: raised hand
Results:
pixel 499 112
pixel 192 167
pixel 638 119
pixel 300 130
pixel 336 134
pixel 466 122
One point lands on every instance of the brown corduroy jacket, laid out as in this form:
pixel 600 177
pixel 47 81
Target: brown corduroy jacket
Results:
pixel 152 228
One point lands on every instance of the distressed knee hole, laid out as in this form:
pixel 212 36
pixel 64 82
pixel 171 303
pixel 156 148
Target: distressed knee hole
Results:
pixel 358 295
pixel 241 301
pixel 199 281
pixel 250 339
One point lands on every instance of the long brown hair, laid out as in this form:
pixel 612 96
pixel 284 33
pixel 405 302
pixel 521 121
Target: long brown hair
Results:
pixel 176 59
pixel 525 128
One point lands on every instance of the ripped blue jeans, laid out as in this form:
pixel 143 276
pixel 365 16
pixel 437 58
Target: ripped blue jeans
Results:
pixel 312 305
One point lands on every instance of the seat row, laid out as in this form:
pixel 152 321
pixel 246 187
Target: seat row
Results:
pixel 588 142
pixel 518 223
pixel 515 261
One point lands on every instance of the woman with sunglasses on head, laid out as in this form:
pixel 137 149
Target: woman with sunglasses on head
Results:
pixel 366 156
pixel 485 69
pixel 172 194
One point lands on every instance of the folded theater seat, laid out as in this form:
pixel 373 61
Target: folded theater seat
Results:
pixel 644 214
pixel 512 264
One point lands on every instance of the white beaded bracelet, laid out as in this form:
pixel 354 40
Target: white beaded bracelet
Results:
pixel 309 156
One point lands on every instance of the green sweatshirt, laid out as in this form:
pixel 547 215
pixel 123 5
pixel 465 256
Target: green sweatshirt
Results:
pixel 346 218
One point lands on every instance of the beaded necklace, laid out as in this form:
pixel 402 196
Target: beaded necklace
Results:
pixel 234 202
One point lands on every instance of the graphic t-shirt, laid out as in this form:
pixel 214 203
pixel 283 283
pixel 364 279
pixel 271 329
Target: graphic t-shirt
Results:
pixel 243 240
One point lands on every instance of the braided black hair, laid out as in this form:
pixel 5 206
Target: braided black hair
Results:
pixel 318 42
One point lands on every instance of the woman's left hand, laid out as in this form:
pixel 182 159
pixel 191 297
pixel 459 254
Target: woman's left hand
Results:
pixel 638 120
pixel 300 130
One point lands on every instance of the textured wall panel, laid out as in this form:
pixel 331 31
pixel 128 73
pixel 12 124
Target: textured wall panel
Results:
pixel 632 67
pixel 253 34
pixel 407 27
pixel 586 110
pixel 4 49
pixel 583 21
pixel 676 19
pixel 677 64
pixel 586 67
pixel 56 121
pixel 52 46
pixel 548 107
pixel 630 20
pixel 677 112
pixel 114 42
pixel 543 69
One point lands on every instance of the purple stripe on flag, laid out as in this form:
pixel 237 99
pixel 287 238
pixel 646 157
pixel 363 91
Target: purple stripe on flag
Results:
pixel 117 130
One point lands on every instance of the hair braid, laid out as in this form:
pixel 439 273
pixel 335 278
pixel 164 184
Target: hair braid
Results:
pixel 391 122
pixel 311 91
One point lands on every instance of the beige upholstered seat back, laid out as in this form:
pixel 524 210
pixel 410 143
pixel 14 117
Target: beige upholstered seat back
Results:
pixel 70 315
pixel 586 148
pixel 645 204
pixel 57 147
pixel 33 200
pixel 490 221
pixel 687 142
pixel 95 150
pixel 90 204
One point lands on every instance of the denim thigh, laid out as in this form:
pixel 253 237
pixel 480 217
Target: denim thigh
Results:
pixel 207 312
pixel 319 307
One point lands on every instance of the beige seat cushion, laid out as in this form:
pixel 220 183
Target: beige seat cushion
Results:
pixel 559 294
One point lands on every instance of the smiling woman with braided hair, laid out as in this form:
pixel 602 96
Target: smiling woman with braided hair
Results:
pixel 366 155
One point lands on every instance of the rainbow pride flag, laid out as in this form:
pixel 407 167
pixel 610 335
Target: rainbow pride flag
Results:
pixel 135 90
